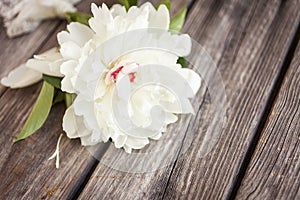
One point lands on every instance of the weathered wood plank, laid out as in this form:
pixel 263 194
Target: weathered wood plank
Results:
pixel 26 172
pixel 252 60
pixel 176 5
pixel 273 172
pixel 249 41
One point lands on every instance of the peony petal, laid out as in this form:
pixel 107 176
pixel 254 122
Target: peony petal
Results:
pixel 127 149
pixel 50 55
pixel 87 141
pixel 73 125
pixel 63 37
pixel 85 108
pixel 156 137
pixel 101 20
pixel 78 33
pixel 20 77
pixel 55 68
pixel 96 137
pixel 69 123
pixel 170 118
pixel 43 62
pixel 192 78
pixel 95 10
pixel 120 141
pixel 67 85
pixel 137 18
pixel 118 10
pixel 70 50
pixel 160 18
pixel 136 143
pixel 68 67
pixel 144 57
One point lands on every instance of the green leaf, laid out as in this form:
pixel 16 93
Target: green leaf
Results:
pixel 128 3
pixel 82 18
pixel 54 81
pixel 164 2
pixel 177 22
pixel 182 62
pixel 39 112
pixel 69 98
pixel 58 97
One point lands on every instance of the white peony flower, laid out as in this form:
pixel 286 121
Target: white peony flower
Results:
pixel 91 116
pixel 97 64
pixel 27 15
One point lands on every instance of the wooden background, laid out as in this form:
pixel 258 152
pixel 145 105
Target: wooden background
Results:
pixel 255 44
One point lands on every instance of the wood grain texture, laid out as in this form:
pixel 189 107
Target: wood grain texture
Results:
pixel 176 5
pixel 249 41
pixel 26 172
pixel 274 170
pixel 256 46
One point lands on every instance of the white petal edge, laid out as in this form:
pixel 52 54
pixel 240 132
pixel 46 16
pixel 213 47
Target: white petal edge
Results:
pixel 73 125
pixel 47 63
pixel 21 77
pixel 192 78
pixel 78 33
pixel 160 18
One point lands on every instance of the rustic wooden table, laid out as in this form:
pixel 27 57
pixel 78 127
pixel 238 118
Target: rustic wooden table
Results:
pixel 255 44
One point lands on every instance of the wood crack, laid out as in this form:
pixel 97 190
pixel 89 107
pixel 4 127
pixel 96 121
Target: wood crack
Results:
pixel 267 111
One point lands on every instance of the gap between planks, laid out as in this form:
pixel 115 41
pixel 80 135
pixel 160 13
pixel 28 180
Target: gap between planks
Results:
pixel 286 63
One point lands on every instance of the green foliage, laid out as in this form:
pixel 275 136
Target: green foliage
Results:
pixel 182 62
pixel 164 2
pixel 178 21
pixel 69 98
pixel 58 97
pixel 39 113
pixel 82 18
pixel 128 3
pixel 54 81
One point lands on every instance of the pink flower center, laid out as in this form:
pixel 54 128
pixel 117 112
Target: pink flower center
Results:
pixel 114 75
